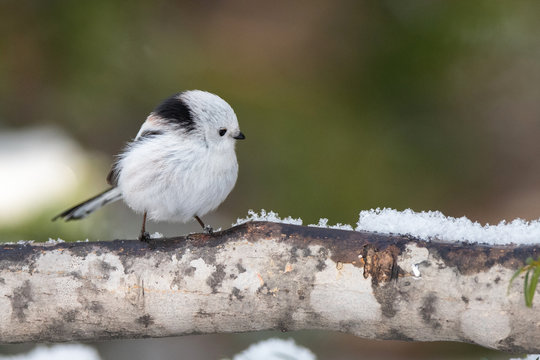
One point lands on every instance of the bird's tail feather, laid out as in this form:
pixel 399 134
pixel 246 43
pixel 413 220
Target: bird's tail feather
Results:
pixel 85 208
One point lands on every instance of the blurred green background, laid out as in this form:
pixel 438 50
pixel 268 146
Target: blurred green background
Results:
pixel 346 105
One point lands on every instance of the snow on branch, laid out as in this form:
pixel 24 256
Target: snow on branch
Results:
pixel 263 275
pixel 425 225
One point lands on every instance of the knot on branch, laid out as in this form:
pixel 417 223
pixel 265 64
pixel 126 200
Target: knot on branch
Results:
pixel 381 265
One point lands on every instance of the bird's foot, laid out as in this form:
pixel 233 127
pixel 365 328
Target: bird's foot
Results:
pixel 208 230
pixel 145 237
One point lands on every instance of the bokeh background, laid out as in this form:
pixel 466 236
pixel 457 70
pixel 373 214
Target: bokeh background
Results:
pixel 346 105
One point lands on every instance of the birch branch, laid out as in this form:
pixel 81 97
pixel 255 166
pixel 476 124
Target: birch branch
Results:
pixel 261 276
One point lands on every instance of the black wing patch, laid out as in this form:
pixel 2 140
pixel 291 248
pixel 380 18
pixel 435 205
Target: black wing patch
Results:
pixel 176 111
pixel 112 178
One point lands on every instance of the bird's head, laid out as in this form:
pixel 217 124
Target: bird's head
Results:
pixel 202 114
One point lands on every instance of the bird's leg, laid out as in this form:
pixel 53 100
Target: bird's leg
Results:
pixel 206 228
pixel 144 236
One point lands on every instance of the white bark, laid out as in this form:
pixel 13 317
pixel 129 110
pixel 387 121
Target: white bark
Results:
pixel 261 276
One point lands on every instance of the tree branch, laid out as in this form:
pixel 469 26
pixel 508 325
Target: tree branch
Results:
pixel 261 276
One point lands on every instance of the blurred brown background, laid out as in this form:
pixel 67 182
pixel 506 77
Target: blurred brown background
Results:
pixel 346 105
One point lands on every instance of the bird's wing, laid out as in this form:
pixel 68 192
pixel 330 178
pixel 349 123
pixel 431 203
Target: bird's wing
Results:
pixel 144 134
pixel 112 177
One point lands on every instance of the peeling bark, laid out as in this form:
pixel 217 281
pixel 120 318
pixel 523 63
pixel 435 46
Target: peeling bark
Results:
pixel 261 276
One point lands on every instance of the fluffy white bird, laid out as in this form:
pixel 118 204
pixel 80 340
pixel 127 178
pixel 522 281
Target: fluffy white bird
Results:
pixel 181 165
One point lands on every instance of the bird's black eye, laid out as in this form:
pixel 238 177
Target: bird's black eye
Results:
pixel 222 132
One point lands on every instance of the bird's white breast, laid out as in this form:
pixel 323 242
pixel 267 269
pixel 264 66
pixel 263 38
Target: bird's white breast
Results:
pixel 175 178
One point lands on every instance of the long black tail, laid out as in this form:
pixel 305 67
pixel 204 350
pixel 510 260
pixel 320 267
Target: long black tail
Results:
pixel 89 206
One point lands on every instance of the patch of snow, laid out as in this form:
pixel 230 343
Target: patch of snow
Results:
pixel 415 270
pixel 275 349
pixel 433 225
pixel 323 223
pixel 23 242
pixel 52 241
pixel 20 242
pixel 274 217
pixel 264 216
pixel 156 235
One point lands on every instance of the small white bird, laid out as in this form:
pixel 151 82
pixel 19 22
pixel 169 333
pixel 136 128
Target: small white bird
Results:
pixel 181 165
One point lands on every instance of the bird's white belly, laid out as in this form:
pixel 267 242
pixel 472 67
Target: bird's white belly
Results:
pixel 174 185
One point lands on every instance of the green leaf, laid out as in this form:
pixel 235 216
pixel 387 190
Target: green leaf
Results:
pixel 516 274
pixel 525 288
pixel 533 284
pixel 530 283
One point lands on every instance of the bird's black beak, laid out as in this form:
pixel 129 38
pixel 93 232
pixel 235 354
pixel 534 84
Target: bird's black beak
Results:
pixel 239 136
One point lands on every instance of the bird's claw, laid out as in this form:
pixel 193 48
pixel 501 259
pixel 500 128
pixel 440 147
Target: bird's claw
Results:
pixel 208 230
pixel 145 237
